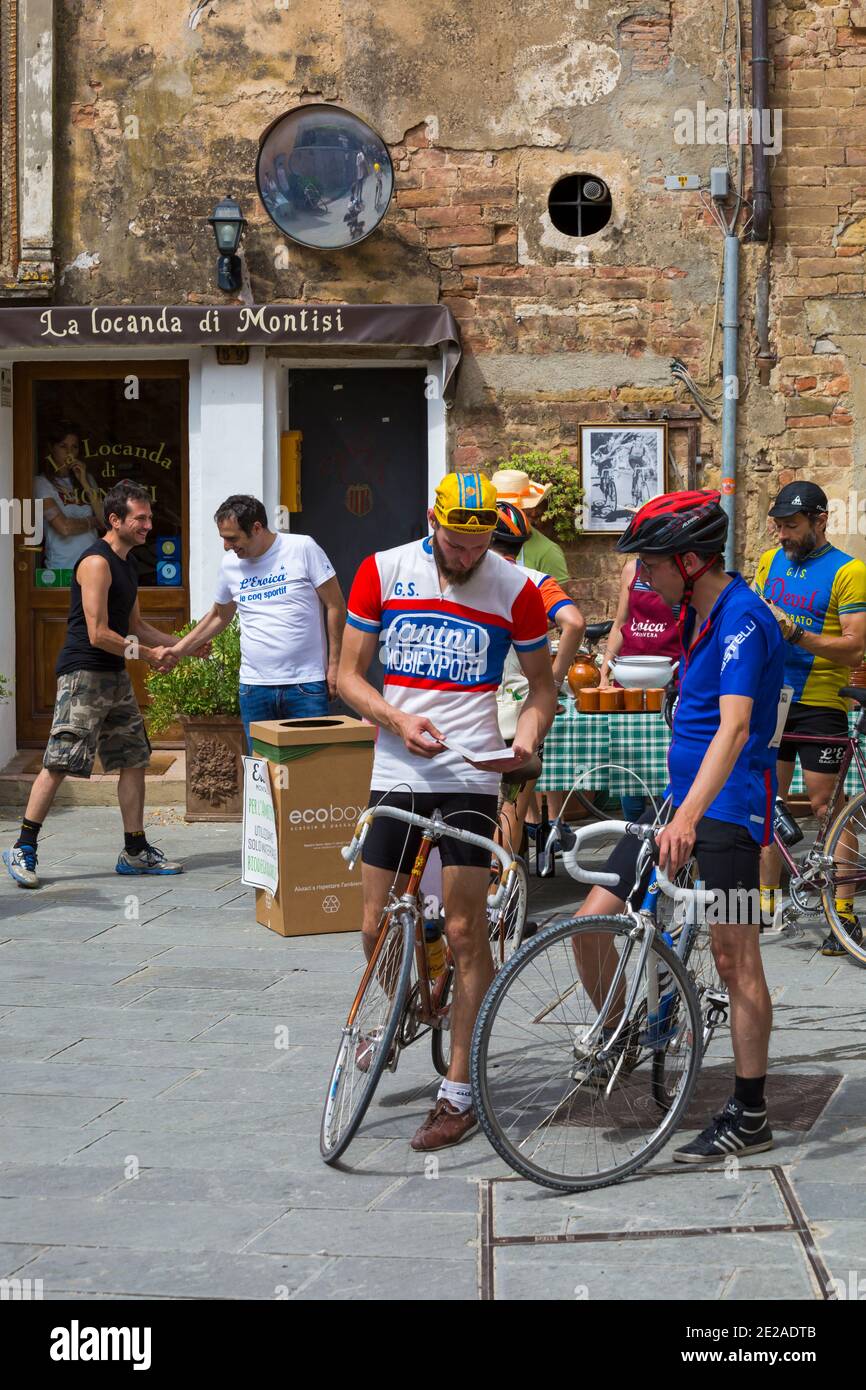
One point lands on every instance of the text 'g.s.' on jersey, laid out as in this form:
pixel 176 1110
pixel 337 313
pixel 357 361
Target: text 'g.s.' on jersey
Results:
pixel 814 592
pixel 443 654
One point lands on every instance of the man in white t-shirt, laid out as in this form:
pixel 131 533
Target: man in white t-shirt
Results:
pixel 292 614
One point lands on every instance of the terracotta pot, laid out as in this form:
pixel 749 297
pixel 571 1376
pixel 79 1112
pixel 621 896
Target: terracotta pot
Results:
pixel 587 700
pixel 215 748
pixel 582 673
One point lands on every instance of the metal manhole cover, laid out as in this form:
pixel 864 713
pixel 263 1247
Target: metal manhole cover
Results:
pixel 794 1099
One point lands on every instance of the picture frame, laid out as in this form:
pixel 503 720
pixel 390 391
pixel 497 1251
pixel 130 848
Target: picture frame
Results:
pixel 623 465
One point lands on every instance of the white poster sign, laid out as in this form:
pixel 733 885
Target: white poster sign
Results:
pixel 260 858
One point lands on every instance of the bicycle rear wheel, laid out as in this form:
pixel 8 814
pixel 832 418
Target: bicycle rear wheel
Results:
pixel 846 876
pixel 551 1108
pixel 369 1034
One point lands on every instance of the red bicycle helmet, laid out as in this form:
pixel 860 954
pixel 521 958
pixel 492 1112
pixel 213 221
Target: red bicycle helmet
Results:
pixel 512 530
pixel 675 524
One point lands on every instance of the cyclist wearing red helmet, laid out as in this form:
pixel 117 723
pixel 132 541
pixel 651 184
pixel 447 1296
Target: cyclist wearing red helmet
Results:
pixel 722 781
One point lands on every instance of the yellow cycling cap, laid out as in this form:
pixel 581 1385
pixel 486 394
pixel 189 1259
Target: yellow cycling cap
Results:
pixel 466 502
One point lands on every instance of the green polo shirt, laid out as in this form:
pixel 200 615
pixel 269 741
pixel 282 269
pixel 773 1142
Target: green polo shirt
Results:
pixel 539 553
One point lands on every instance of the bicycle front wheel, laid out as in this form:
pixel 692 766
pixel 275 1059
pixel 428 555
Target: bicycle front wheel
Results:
pixel 506 922
pixel 846 877
pixel 556 1110
pixel 369 1034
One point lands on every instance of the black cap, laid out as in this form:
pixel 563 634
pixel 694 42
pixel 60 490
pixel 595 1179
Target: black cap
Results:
pixel 799 497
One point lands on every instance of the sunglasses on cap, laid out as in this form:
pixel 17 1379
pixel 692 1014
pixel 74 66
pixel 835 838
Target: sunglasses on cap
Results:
pixel 469 518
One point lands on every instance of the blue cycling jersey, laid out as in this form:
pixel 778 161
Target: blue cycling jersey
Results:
pixel 738 651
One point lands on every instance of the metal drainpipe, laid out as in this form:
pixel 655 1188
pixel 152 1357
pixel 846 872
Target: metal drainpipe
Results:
pixel 730 326
pixel 760 103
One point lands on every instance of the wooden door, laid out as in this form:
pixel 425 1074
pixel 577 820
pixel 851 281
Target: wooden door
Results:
pixel 131 421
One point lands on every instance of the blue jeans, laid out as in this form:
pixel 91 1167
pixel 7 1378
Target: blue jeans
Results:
pixel 302 701
pixel 633 807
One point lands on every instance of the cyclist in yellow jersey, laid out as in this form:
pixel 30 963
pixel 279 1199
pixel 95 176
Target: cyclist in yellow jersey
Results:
pixel 818 595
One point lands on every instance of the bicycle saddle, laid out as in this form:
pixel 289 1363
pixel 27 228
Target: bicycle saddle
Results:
pixel 595 631
pixel 851 692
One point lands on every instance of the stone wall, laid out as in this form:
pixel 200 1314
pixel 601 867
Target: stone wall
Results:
pixel 160 107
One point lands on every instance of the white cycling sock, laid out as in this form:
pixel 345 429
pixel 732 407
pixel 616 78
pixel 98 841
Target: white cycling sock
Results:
pixel 458 1093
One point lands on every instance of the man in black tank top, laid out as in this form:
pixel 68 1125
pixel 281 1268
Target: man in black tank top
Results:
pixel 96 710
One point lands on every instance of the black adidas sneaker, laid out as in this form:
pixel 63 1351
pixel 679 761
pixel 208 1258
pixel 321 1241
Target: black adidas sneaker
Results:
pixel 736 1131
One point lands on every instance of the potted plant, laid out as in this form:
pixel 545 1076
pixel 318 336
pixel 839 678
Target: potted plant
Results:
pixel 202 694
pixel 559 517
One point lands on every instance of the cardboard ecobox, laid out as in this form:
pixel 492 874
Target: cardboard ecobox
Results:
pixel 320 781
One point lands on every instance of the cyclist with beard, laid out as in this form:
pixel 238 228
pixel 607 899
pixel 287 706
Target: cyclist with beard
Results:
pixel 443 613
pixel 818 596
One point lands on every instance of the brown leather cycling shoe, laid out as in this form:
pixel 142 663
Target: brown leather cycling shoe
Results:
pixel 445 1125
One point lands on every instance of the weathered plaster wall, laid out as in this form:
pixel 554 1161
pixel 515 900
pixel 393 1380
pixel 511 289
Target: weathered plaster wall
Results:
pixel 483 104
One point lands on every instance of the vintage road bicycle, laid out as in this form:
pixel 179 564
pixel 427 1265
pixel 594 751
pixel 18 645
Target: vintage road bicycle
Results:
pixel 398 1001
pixel 589 1042
pixel 834 867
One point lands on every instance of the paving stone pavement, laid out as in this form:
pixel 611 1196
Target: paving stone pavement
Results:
pixel 158 1141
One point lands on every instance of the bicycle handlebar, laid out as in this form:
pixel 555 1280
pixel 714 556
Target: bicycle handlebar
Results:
pixel 439 827
pixel 679 893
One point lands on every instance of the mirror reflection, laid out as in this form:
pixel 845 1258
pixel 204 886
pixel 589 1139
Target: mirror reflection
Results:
pixel 324 176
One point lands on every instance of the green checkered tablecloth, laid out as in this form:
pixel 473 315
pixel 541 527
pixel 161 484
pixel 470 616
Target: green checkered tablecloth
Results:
pixel 635 742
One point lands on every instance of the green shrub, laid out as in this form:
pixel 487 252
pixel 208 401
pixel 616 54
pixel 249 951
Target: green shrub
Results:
pixel 197 687
pixel 5 688
pixel 566 495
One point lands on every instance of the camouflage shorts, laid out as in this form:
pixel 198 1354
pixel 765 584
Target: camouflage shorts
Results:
pixel 96 712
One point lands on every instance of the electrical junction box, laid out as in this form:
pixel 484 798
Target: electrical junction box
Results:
pixel 674 183
pixel 719 183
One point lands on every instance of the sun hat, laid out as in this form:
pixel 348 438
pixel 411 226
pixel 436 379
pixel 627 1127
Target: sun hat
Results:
pixel 512 485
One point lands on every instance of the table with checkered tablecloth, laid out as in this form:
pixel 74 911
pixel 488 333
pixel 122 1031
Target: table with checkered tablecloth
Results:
pixel 617 746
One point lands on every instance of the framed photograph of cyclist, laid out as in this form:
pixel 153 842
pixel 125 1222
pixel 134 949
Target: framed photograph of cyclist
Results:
pixel 622 466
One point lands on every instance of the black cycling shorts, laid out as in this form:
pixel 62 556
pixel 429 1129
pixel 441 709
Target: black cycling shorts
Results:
pixel 728 863
pixel 814 719
pixel 389 839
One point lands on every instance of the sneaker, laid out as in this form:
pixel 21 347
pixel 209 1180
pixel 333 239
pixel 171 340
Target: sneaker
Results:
pixel 736 1131
pixel 21 863
pixel 832 946
pixel 150 861
pixel 444 1126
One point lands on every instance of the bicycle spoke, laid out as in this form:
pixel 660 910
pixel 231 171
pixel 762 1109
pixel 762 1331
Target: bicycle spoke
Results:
pixel 546 1104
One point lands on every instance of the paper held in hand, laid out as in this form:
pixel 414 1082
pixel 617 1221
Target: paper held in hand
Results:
pixel 499 755
pixel 260 858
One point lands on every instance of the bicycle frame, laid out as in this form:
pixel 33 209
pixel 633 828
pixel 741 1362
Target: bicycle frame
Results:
pixel 642 919
pixel 852 754
pixel 434 829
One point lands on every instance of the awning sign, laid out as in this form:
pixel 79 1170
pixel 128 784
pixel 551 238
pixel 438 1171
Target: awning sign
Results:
pixel 260 858
pixel 136 325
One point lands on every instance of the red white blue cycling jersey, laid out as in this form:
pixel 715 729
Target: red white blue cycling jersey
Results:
pixel 443 654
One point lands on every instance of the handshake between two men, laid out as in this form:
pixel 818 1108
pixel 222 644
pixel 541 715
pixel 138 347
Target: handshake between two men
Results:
pixel 165 658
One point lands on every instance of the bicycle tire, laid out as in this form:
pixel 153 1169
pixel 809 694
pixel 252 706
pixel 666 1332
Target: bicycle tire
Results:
pixel 513 911
pixel 528 953
pixel 345 1064
pixel 440 1038
pixel 856 950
